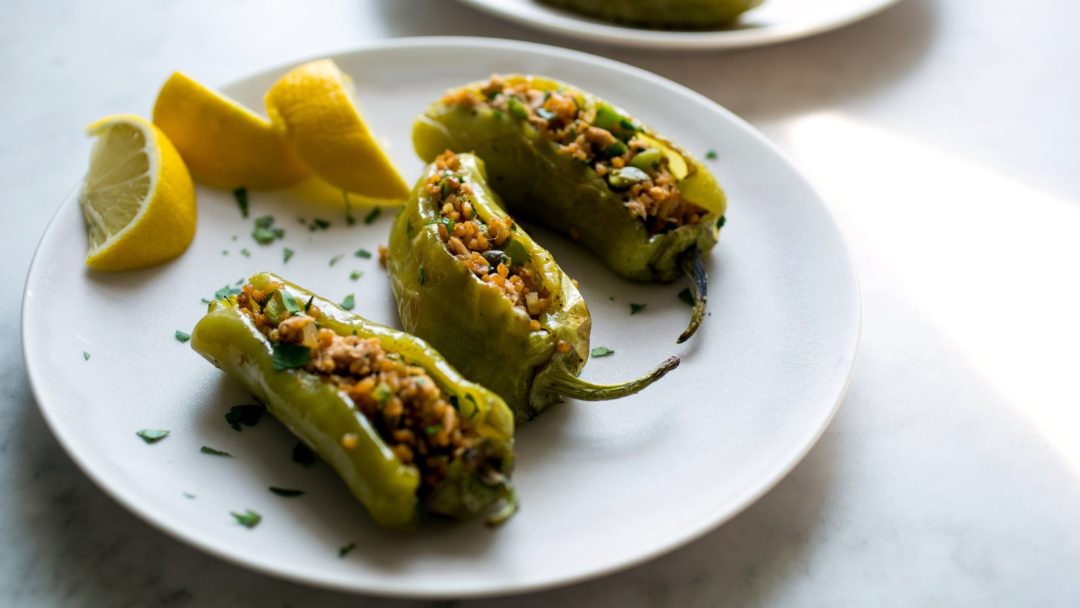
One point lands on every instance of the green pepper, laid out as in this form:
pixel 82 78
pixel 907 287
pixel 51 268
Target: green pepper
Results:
pixel 542 180
pixel 673 14
pixel 532 363
pixel 324 417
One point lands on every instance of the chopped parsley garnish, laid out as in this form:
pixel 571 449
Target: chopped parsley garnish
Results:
pixel 422 274
pixel 289 302
pixel 290 356
pixel 711 155
pixel 516 108
pixel 318 224
pixel 720 222
pixel 265 232
pixel 182 336
pixel 307 305
pixel 445 221
pixel 244 252
pixel 636 308
pixel 225 292
pixel 545 113
pixel 248 519
pixel 85 356
pixel 248 414
pixel 602 351
pixel 242 200
pixel 211 451
pixel 686 296
pixel 432 430
pixel 356 274
pixel 152 435
pixel 517 253
pixel 286 255
pixel 287 493
pixel 302 454
pixel 224 252
pixel 372 215
pixel 349 219
pixel 348 303
pixel 342 552
pixel 383 393
pixel 336 258
pixel 363 253
pixel 188 495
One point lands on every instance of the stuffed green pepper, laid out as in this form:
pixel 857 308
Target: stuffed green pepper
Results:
pixel 580 165
pixel 661 14
pixel 474 284
pixel 404 430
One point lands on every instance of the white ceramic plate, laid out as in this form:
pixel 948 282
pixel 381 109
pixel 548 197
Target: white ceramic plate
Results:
pixel 603 485
pixel 772 22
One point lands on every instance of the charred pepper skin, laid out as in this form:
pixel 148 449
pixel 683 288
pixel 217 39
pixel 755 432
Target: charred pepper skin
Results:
pixel 539 183
pixel 321 415
pixel 475 326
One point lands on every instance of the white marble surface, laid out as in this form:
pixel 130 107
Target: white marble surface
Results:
pixel 944 135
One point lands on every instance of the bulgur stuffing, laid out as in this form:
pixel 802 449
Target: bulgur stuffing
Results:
pixel 599 136
pixel 404 404
pixel 482 246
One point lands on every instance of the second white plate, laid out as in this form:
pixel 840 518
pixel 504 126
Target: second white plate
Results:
pixel 772 22
pixel 603 485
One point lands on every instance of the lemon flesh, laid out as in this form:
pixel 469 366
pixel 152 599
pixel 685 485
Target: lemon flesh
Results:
pixel 314 106
pixel 137 198
pixel 223 143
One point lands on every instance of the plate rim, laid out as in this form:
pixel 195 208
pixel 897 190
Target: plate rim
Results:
pixel 180 531
pixel 584 28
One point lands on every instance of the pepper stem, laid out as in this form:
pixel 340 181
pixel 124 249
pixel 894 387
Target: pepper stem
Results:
pixel 509 497
pixel 569 385
pixel 694 268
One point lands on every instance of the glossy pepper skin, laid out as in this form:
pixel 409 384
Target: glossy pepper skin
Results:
pixel 475 326
pixel 568 195
pixel 320 414
pixel 673 14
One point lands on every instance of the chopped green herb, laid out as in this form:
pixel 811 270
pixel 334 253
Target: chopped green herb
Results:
pixel 363 253
pixel 602 351
pixel 307 305
pixel 234 237
pixel 245 253
pixel 636 308
pixel 545 113
pixel 686 296
pixel 612 298
pixel 290 356
pixel 432 430
pixel 85 356
pixel 182 336
pixel 239 281
pixel 248 414
pixel 720 222
pixel 336 258
pixel 302 454
pixel 286 492
pixel 248 519
pixel 152 435
pixel 342 552
pixel 517 253
pixel 265 232
pixel 226 292
pixel 224 252
pixel 289 302
pixel 286 255
pixel 422 274
pixel 356 274
pixel 211 451
pixel 242 200
pixel 349 219
pixel 348 303
pixel 445 221
pixel 318 224
pixel 372 215
pixel 383 393
pixel 711 155
pixel 188 495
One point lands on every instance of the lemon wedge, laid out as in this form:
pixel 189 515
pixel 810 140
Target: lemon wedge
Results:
pixel 223 143
pixel 137 197
pixel 314 106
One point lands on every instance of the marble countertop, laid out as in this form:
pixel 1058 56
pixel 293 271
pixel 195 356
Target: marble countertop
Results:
pixel 943 134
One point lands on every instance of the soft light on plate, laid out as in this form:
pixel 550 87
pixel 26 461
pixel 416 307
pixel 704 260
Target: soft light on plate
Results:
pixel 773 22
pixel 757 386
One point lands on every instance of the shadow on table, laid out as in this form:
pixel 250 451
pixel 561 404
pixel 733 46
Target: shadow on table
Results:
pixel 759 84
